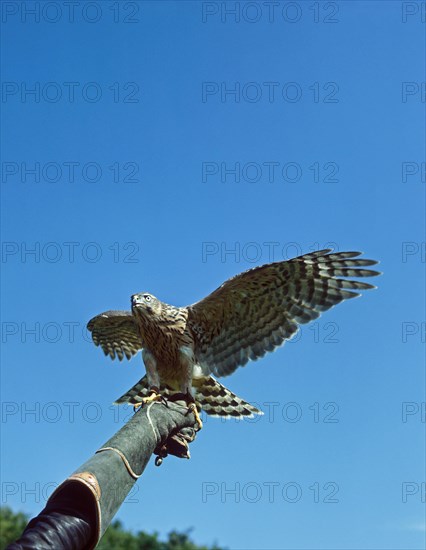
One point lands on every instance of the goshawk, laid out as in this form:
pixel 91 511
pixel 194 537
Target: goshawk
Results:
pixel 250 314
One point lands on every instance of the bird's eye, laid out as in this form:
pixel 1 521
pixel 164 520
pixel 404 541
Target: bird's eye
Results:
pixel 147 298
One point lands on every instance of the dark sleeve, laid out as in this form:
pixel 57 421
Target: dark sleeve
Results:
pixel 64 524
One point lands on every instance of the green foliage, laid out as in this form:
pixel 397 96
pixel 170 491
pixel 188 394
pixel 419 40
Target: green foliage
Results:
pixel 11 525
pixel 115 538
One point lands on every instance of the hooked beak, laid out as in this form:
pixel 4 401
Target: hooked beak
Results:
pixel 135 300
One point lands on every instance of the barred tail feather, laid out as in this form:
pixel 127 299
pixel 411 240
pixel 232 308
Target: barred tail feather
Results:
pixel 136 393
pixel 216 400
pixel 210 395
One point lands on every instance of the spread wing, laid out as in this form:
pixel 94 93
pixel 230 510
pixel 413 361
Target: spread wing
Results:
pixel 117 333
pixel 259 309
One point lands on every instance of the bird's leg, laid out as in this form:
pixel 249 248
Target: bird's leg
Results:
pixel 192 407
pixel 154 395
pixel 187 361
pixel 153 380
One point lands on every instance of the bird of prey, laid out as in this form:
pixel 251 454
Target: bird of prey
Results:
pixel 248 315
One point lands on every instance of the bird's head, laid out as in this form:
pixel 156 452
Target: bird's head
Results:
pixel 146 304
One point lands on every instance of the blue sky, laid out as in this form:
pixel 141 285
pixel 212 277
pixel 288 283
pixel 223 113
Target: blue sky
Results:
pixel 134 166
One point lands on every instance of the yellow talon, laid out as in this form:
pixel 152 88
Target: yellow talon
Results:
pixel 153 396
pixel 193 408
